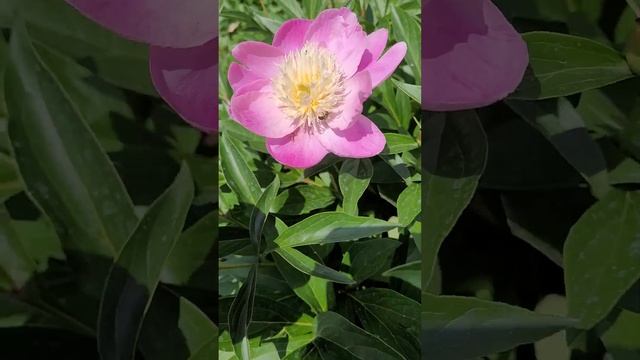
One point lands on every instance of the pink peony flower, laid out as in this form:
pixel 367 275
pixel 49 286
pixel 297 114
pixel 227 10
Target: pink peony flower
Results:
pixel 304 92
pixel 471 55
pixel 183 58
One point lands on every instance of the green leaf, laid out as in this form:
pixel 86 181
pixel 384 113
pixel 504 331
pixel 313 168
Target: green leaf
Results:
pixel 261 212
pixel 456 154
pixel 359 343
pixel 302 199
pixel 563 126
pixel 370 257
pixel 292 7
pixel 186 332
pixel 134 276
pixel 410 272
pixel 413 91
pixel 62 165
pixel 354 178
pixel 191 252
pixel 602 256
pixel 240 315
pixel 25 248
pixel 622 339
pixel 392 316
pixel 409 204
pixel 562 65
pixel 237 173
pixel 399 143
pixel 406 28
pixel 314 291
pixel 331 227
pixel 483 327
pixel 311 267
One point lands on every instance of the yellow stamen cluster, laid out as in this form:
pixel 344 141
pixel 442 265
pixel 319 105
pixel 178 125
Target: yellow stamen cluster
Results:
pixel 309 86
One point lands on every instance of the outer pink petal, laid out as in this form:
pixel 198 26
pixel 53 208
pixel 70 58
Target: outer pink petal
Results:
pixel 257 111
pixel 359 89
pixel 474 63
pixel 298 150
pixel 376 42
pixel 363 139
pixel 167 23
pixel 187 80
pixel 258 57
pixel 290 36
pixel 338 31
pixel 240 76
pixel 382 69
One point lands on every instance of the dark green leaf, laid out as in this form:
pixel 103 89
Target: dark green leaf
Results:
pixel 354 178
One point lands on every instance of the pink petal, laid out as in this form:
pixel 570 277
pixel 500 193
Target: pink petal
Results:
pixel 187 80
pixel 290 36
pixel 472 56
pixel 257 111
pixel 376 42
pixel 382 69
pixel 358 91
pixel 298 150
pixel 240 76
pixel 167 23
pixel 363 139
pixel 338 31
pixel 258 57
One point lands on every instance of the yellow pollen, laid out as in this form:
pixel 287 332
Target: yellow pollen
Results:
pixel 310 85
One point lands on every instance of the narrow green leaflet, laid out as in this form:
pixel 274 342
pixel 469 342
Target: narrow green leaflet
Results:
pixel 354 178
pixel 456 153
pixel 331 227
pixel 409 272
pixel 240 316
pixel 409 204
pixel 370 257
pixel 63 167
pixel 602 256
pixel 562 65
pixel 399 143
pixel 458 328
pixel 414 91
pixel 314 291
pixel 406 28
pixel 395 317
pixel 261 211
pixel 309 266
pixel 357 342
pixel 135 275
pixel 302 199
pixel 192 251
pixel 237 173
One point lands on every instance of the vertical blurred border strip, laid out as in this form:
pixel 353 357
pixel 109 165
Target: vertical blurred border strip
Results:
pixel 471 57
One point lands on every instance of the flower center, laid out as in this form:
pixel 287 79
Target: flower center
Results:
pixel 310 85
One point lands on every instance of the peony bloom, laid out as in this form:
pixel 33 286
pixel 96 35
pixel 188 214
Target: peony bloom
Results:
pixel 304 92
pixel 183 58
pixel 471 55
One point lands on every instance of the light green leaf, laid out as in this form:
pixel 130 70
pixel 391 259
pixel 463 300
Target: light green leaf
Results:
pixel 134 276
pixel 399 143
pixel 409 272
pixel 354 178
pixel 562 65
pixel 483 327
pixel 236 172
pixel 409 204
pixel 311 267
pixel 602 256
pixel 331 227
pixel 65 170
pixel 359 343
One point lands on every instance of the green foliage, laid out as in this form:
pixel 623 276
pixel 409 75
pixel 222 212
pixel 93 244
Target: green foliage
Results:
pixel 331 233
pixel 532 203
pixel 106 240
